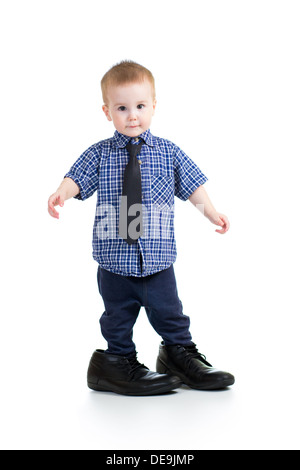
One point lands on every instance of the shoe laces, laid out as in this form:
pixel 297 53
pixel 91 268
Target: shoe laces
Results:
pixel 134 364
pixel 194 353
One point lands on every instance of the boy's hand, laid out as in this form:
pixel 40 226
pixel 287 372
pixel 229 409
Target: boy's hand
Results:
pixel 67 189
pixel 56 199
pixel 221 220
pixel 200 198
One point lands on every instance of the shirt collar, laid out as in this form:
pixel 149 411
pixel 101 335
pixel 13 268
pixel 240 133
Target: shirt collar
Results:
pixel 121 140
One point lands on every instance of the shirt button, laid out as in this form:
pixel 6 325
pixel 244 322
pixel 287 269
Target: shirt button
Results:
pixel 140 162
pixel 136 139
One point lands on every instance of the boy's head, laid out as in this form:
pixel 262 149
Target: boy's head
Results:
pixel 128 91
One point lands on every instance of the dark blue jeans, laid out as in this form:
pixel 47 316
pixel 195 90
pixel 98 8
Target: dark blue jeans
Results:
pixel 123 298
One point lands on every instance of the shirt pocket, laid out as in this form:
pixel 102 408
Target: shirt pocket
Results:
pixel 162 190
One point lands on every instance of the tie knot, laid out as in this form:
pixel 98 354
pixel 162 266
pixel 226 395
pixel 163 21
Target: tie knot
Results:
pixel 134 149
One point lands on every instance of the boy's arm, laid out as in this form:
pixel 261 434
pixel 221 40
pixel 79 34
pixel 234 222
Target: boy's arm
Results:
pixel 200 198
pixel 66 190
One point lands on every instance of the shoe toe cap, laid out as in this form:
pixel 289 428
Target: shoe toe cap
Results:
pixel 220 379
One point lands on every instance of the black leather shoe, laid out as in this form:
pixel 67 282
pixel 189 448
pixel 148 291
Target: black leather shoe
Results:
pixel 125 375
pixel 191 367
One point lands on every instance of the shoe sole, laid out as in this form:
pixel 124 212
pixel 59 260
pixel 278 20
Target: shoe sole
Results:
pixel 161 368
pixel 105 386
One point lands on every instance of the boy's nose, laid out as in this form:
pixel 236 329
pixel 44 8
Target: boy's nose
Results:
pixel 132 116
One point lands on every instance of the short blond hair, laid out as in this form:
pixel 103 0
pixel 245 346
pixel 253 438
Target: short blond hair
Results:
pixel 123 73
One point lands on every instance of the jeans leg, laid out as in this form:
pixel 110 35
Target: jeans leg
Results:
pixel 122 307
pixel 164 308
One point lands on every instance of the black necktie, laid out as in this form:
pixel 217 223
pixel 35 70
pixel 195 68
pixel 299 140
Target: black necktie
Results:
pixel 130 225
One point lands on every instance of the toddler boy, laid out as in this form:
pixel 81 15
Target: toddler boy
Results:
pixel 136 176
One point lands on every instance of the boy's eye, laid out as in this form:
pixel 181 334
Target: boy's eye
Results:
pixel 140 106
pixel 121 108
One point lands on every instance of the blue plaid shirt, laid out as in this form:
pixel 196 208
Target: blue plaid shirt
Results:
pixel 166 172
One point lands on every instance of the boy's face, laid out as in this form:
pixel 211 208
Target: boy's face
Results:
pixel 130 107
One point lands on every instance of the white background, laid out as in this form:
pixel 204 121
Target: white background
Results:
pixel 227 75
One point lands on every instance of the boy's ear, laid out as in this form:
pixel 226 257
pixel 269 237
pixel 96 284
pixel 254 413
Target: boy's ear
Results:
pixel 106 112
pixel 154 107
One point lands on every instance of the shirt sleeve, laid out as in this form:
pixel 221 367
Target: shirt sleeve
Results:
pixel 85 173
pixel 188 176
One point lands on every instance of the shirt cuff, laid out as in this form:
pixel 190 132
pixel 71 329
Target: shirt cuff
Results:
pixel 82 195
pixel 184 196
